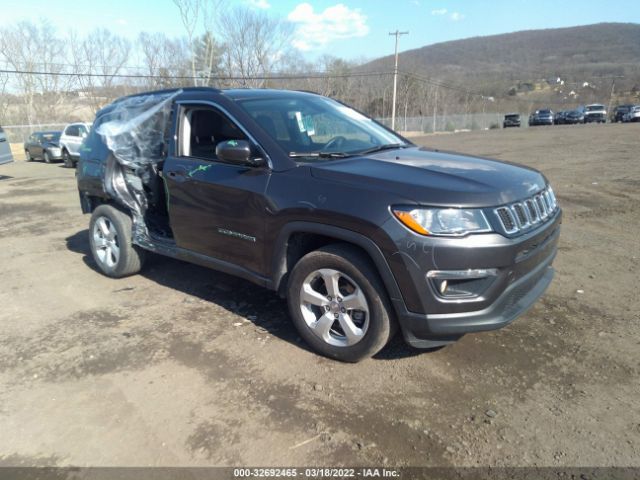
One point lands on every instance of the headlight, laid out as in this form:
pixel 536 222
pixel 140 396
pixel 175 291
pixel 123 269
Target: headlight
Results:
pixel 442 221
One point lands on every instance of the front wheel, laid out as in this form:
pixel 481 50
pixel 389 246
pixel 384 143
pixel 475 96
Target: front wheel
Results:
pixel 47 157
pixel 339 305
pixel 27 155
pixel 68 162
pixel 110 240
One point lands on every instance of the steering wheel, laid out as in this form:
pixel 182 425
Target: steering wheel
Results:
pixel 335 142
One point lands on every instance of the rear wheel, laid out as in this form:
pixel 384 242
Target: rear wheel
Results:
pixel 339 305
pixel 110 240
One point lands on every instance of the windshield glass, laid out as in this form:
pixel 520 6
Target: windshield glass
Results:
pixel 51 136
pixel 592 108
pixel 313 125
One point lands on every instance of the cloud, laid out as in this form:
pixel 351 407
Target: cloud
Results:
pixel 315 30
pixel 456 16
pixel 261 4
pixel 439 11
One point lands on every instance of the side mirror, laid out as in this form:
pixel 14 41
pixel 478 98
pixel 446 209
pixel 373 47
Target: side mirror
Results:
pixel 237 152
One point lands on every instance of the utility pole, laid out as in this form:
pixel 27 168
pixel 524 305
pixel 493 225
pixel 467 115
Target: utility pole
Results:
pixel 397 34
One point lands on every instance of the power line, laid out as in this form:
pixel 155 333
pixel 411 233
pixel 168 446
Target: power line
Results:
pixel 316 75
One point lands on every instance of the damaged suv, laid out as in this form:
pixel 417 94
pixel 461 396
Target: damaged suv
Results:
pixel 361 230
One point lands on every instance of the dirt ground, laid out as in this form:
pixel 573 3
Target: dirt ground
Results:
pixel 183 366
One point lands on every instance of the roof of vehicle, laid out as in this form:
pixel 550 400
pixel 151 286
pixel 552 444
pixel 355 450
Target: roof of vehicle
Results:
pixel 511 114
pixel 232 93
pixel 595 105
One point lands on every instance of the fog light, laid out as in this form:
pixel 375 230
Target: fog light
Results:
pixel 461 284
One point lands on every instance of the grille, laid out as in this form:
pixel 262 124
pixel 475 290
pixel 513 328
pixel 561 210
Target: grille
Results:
pixel 507 220
pixel 520 216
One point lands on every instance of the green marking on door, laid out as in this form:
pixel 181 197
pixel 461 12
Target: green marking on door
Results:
pixel 200 168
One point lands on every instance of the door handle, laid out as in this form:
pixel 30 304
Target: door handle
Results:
pixel 179 174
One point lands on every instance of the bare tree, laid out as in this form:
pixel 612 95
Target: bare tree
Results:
pixel 99 58
pixel 254 43
pixel 164 59
pixel 190 13
pixel 30 48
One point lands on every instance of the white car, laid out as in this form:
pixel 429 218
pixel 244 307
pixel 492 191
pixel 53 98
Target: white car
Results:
pixel 633 115
pixel 70 141
pixel 5 149
pixel 595 112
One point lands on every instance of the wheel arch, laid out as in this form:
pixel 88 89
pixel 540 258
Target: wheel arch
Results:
pixel 296 239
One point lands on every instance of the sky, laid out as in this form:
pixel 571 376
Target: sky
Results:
pixel 351 29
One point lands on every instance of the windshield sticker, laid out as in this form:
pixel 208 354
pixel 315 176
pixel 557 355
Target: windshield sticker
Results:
pixel 301 126
pixel 308 125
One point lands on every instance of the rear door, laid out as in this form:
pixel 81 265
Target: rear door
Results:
pixel 5 148
pixel 215 208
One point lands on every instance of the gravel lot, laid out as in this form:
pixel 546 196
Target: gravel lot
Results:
pixel 184 366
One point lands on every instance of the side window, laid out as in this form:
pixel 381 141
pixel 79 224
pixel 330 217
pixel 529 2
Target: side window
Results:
pixel 82 130
pixel 72 131
pixel 202 129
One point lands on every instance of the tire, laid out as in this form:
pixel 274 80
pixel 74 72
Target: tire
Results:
pixel 68 162
pixel 47 157
pixel 110 241
pixel 361 305
pixel 27 156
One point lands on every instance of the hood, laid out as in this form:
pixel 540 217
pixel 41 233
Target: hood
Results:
pixel 434 178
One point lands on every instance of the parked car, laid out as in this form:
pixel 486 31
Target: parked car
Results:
pixel 573 117
pixel 5 149
pixel 558 118
pixel 511 120
pixel 595 113
pixel 360 229
pixel 619 112
pixel 70 141
pixel 541 117
pixel 633 115
pixel 43 146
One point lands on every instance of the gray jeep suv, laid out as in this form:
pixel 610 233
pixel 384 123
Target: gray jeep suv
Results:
pixel 361 230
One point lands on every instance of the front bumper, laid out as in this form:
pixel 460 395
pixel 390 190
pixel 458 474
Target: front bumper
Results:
pixel 427 331
pixel 596 117
pixel 55 153
pixel 524 273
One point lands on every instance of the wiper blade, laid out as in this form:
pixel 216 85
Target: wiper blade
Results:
pixel 380 148
pixel 319 154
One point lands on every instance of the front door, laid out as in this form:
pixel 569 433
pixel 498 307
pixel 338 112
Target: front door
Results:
pixel 215 209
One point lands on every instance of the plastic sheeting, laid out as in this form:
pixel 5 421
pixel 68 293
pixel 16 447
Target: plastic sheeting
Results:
pixel 135 130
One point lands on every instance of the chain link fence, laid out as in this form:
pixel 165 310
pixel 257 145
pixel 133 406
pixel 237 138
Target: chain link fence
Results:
pixel 20 133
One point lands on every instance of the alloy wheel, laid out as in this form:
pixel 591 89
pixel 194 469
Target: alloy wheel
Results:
pixel 334 307
pixel 105 240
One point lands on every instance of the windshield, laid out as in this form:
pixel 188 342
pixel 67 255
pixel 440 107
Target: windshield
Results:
pixel 592 108
pixel 544 112
pixel 51 136
pixel 308 127
pixel 512 117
